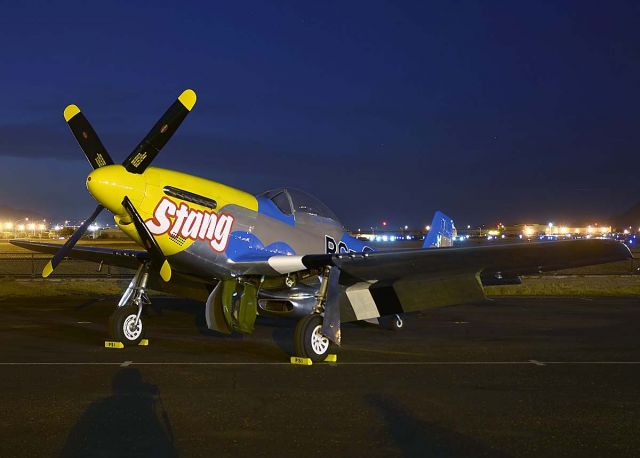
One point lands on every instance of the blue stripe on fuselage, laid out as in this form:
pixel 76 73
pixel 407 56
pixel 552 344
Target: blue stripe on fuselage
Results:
pixel 244 247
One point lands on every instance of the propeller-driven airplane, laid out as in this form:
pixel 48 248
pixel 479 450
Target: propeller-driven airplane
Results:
pixel 280 253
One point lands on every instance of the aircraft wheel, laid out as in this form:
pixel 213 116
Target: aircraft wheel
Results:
pixel 392 322
pixel 308 339
pixel 121 325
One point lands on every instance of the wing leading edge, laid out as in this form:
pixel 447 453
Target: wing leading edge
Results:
pixel 130 259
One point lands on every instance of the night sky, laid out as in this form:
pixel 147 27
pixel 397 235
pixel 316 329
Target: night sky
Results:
pixel 510 111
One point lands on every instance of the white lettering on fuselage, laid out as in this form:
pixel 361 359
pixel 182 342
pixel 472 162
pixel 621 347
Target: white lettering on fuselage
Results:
pixel 191 224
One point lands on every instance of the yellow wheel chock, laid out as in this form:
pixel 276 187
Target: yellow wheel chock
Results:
pixel 116 344
pixel 331 358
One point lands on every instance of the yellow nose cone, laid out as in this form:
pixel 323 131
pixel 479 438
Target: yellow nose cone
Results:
pixel 109 185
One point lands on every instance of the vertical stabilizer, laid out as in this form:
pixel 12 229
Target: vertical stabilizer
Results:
pixel 442 232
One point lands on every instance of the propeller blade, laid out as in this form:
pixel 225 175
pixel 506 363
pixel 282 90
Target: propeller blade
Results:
pixel 158 259
pixel 68 246
pixel 159 135
pixel 87 138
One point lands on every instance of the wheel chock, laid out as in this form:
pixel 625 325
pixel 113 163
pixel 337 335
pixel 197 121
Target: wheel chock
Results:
pixel 301 361
pixel 307 361
pixel 116 344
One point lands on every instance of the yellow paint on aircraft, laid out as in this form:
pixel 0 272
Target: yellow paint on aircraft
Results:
pixel 110 184
pixel 188 99
pixel 48 270
pixel 70 112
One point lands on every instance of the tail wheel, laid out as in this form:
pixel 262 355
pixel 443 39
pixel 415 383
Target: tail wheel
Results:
pixel 392 322
pixel 123 326
pixel 308 339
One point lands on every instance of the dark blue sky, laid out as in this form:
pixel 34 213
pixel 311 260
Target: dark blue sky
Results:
pixel 385 110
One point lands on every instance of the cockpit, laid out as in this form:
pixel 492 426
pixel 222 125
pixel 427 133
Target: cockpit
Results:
pixel 299 205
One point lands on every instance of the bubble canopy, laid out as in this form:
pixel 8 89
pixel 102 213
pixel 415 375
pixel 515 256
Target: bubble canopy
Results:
pixel 293 201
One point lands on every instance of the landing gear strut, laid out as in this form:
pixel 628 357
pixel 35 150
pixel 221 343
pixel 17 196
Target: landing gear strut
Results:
pixel 315 333
pixel 125 324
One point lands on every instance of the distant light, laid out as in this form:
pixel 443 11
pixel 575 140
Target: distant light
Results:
pixel 392 238
pixel 550 224
pixel 42 227
pixel 626 231
pixel 32 227
pixel 384 223
pixel 406 227
pixel 385 238
pixel 503 236
pixel 93 227
pixel 8 225
pixel 21 227
pixel 429 228
pixel 468 226
pixel 408 237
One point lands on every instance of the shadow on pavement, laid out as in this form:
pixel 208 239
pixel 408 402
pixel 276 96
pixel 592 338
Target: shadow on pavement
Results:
pixel 131 422
pixel 416 438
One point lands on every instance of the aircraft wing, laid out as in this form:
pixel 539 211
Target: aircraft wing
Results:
pixel 387 282
pixel 111 256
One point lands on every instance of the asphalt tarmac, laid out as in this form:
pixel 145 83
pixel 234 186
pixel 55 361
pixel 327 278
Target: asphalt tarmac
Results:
pixel 506 377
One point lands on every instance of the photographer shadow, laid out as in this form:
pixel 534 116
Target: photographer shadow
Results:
pixel 131 422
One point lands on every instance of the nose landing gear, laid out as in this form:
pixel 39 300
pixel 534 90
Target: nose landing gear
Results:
pixel 126 323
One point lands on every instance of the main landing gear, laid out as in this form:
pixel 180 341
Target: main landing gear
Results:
pixel 315 333
pixel 126 323
pixel 309 342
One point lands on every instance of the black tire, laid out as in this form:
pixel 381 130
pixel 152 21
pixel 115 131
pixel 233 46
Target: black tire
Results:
pixel 307 341
pixel 121 318
pixel 391 322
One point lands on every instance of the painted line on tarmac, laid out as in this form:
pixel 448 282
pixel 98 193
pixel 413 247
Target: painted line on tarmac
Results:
pixel 347 363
